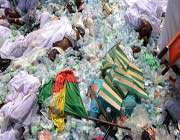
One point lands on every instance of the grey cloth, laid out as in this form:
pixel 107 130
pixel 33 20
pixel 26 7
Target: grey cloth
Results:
pixel 25 6
pixel 177 84
pixel 4 3
pixel 173 107
pixel 171 24
pixel 8 135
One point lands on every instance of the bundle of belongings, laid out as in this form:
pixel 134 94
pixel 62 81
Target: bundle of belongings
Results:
pixel 121 88
pixel 63 95
pixel 54 34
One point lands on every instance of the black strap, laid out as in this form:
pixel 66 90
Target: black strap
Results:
pixel 162 53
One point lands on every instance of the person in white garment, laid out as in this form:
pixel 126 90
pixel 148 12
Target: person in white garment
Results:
pixel 20 11
pixel 145 17
pixel 19 106
pixel 38 42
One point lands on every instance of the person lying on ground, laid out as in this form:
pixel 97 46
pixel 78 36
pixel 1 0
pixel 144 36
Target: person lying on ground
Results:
pixel 54 33
pixel 20 11
pixel 62 45
pixel 145 17
pixel 20 105
pixel 3 4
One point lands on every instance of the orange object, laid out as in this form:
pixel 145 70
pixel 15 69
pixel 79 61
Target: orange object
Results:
pixel 174 54
pixel 61 78
pixel 174 49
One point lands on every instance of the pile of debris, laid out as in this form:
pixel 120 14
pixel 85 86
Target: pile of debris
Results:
pixel 77 70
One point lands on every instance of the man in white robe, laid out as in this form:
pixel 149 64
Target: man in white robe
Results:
pixel 20 105
pixel 36 43
pixel 144 9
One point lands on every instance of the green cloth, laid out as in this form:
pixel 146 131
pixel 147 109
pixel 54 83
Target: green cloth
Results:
pixel 45 91
pixel 73 101
pixel 121 75
pixel 115 57
pixel 108 94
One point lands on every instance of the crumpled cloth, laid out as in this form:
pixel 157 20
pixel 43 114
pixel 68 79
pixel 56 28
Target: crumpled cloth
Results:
pixel 5 3
pixel 57 109
pixel 8 135
pixel 4 34
pixel 21 104
pixel 129 2
pixel 4 22
pixel 37 42
pixel 129 104
pixel 25 6
pixel 146 9
pixel 173 107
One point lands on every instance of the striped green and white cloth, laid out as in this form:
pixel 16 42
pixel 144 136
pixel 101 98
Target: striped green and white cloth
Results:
pixel 103 90
pixel 121 75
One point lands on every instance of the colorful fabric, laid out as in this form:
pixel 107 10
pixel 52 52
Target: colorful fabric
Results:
pixel 109 79
pixel 57 109
pixel 45 91
pixel 108 94
pixel 126 82
pixel 73 102
pixel 61 78
pixel 66 98
pixel 121 75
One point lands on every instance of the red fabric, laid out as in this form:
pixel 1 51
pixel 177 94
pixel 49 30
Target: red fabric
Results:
pixel 61 78
pixel 174 49
pixel 99 138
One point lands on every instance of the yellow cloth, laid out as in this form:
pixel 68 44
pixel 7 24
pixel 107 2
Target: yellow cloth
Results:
pixel 57 109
